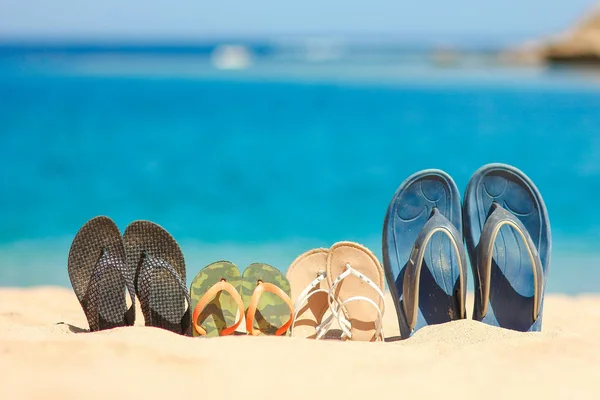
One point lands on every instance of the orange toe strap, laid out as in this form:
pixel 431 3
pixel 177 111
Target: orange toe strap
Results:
pixel 251 312
pixel 222 286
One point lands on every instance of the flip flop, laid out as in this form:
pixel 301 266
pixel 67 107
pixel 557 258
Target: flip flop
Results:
pixel 508 237
pixel 423 252
pixel 308 279
pixel 266 295
pixel 356 298
pixel 159 267
pixel 216 300
pixel 98 274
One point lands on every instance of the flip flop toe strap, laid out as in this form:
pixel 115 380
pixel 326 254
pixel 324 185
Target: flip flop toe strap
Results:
pixel 498 218
pixel 107 261
pixel 302 300
pixel 144 283
pixel 410 287
pixel 261 288
pixel 306 293
pixel 221 286
pixel 336 308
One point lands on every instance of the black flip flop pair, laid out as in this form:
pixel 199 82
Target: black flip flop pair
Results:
pixel 507 235
pixel 105 268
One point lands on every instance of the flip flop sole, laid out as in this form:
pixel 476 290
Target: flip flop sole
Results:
pixel 408 212
pixel 512 279
pixel 221 312
pixel 103 300
pixel 272 311
pixel 162 297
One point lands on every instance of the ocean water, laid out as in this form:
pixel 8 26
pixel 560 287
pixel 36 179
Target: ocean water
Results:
pixel 261 164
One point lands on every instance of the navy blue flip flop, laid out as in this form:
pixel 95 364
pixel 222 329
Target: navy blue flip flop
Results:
pixel 508 237
pixel 423 254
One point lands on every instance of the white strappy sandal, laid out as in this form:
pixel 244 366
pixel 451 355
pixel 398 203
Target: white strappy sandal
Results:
pixel 362 278
pixel 356 298
pixel 308 279
pixel 302 300
pixel 335 305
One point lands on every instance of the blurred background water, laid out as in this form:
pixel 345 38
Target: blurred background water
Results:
pixel 260 151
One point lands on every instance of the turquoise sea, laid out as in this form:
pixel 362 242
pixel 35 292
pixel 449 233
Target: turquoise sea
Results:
pixel 285 154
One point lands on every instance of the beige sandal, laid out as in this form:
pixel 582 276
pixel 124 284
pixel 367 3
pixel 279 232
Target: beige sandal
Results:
pixel 307 277
pixel 356 298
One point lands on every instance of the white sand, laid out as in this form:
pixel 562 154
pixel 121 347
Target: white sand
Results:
pixel 41 357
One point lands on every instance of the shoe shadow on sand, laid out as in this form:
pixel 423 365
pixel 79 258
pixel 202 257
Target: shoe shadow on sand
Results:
pixel 333 334
pixel 73 328
pixel 393 339
pixel 76 329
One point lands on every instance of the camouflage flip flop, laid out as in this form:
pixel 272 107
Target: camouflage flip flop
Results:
pixel 156 261
pixel 266 294
pixel 98 274
pixel 216 300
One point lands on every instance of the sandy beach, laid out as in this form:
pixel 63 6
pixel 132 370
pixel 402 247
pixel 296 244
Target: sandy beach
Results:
pixel 45 352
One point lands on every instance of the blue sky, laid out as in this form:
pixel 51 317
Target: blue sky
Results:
pixel 198 19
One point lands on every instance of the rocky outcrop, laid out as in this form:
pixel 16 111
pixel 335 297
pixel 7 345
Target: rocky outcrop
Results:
pixel 578 46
